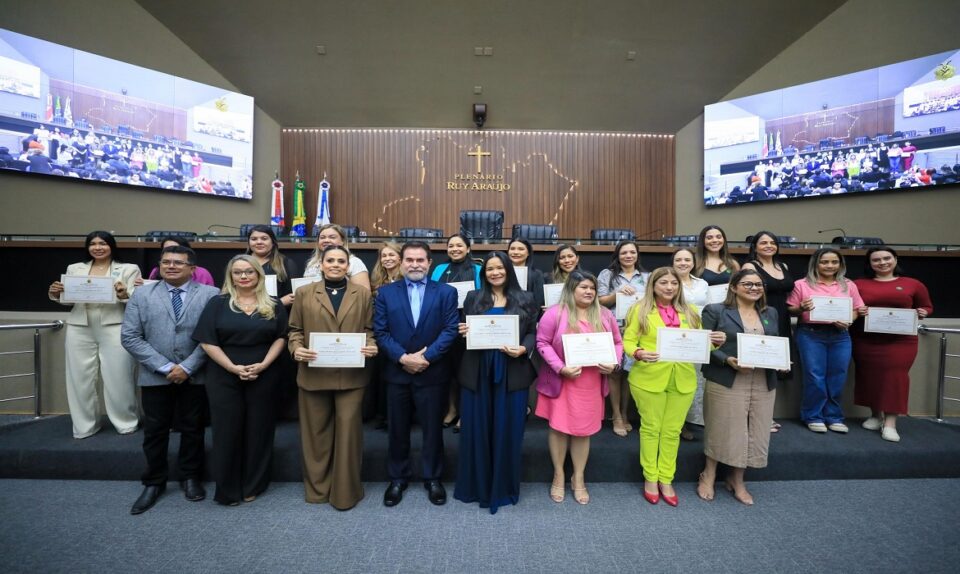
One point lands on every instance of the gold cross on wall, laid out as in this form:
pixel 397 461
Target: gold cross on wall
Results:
pixel 479 154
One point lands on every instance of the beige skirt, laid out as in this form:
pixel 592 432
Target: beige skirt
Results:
pixel 737 420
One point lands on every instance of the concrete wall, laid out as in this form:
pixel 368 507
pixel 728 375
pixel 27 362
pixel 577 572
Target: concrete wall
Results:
pixel 860 34
pixel 125 31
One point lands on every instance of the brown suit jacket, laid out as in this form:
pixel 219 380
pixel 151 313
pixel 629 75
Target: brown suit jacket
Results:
pixel 312 312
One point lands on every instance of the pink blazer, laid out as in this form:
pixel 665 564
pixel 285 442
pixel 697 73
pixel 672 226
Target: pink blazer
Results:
pixel 552 326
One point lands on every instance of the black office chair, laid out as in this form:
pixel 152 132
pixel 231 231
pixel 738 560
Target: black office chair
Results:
pixel 534 233
pixel 680 240
pixel 157 235
pixel 481 224
pixel 611 234
pixel 938 130
pixel 421 232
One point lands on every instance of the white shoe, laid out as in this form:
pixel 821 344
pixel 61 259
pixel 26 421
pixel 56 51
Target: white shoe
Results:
pixel 817 427
pixel 872 423
pixel 890 434
pixel 838 427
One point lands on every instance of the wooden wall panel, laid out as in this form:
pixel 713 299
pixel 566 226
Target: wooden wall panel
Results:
pixel 385 179
pixel 102 107
pixel 847 122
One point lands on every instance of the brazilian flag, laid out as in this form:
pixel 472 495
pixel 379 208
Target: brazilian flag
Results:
pixel 299 228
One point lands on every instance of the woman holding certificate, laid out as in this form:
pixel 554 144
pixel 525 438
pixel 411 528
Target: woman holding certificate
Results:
pixel 520 251
pixel 662 390
pixel 331 383
pixel 714 263
pixel 827 304
pixel 459 269
pixel 98 289
pixel 333 234
pixel 764 258
pixel 494 389
pixel 884 355
pixel 262 244
pixel 695 292
pixel 626 280
pixel 738 400
pixel 571 386
pixel 243 332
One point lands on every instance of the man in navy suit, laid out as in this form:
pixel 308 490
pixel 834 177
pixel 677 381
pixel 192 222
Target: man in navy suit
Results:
pixel 157 331
pixel 416 321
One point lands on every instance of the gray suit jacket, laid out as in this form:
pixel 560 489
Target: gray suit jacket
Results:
pixel 154 337
pixel 719 317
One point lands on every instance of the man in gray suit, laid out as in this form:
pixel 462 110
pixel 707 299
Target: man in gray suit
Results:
pixel 157 329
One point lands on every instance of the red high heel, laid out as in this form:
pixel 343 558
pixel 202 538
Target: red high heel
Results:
pixel 671 500
pixel 651 498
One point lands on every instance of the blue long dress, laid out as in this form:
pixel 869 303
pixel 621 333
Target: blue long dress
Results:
pixel 491 436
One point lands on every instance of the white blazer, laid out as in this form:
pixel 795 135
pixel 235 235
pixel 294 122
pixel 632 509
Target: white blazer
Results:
pixel 126 273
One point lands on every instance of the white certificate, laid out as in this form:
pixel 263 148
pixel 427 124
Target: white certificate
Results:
pixel 88 289
pixel 492 331
pixel 521 276
pixel 462 287
pixel 338 350
pixel 891 321
pixel 832 309
pixel 149 282
pixel 683 345
pixel 717 293
pixel 271 284
pixel 301 281
pixel 763 352
pixel 551 294
pixel 624 302
pixel 589 349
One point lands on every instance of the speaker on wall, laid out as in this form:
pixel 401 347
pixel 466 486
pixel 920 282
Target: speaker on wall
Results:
pixel 479 115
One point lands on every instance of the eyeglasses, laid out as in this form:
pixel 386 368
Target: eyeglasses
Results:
pixel 244 272
pixel 749 286
pixel 173 263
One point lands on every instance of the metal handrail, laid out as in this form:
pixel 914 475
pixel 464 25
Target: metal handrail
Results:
pixel 942 375
pixel 54 325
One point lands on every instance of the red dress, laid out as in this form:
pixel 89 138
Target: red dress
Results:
pixel 883 361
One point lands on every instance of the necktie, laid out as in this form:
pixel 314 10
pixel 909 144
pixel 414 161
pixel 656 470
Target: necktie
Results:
pixel 177 302
pixel 415 303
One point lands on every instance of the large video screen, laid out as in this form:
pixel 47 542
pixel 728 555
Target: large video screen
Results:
pixel 69 113
pixel 896 127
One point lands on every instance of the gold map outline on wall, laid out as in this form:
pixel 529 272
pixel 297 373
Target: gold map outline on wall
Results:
pixel 822 120
pixel 124 107
pixel 422 154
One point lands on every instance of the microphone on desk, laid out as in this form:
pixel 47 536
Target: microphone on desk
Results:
pixel 213 233
pixel 840 229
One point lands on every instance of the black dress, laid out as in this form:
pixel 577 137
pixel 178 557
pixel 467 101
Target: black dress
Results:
pixel 777 291
pixel 242 413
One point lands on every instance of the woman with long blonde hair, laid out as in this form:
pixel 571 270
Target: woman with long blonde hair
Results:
pixel 243 332
pixel 571 398
pixel 662 390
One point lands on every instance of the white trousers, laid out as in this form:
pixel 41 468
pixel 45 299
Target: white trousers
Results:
pixel 96 349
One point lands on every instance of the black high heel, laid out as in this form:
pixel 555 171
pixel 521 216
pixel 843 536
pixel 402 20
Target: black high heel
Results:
pixel 452 422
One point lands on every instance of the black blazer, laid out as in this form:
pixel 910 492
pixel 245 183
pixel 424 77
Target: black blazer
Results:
pixel 719 317
pixel 520 371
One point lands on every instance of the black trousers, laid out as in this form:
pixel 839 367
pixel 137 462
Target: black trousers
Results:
pixel 160 404
pixel 430 403
pixel 243 420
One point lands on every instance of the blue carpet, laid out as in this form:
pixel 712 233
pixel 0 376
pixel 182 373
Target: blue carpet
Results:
pixel 798 526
